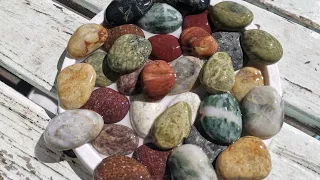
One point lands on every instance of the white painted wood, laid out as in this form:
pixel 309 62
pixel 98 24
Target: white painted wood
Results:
pixel 23 154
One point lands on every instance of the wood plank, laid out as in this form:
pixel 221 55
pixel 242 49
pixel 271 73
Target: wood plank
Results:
pixel 23 154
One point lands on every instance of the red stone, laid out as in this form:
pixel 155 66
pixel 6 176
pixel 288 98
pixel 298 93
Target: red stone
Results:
pixel 158 78
pixel 165 47
pixel 110 104
pixel 197 20
pixel 198 42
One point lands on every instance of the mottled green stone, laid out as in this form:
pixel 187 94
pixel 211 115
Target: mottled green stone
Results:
pixel 221 118
pixel 172 126
pixel 160 19
pixel 230 16
pixel 218 74
pixel 129 53
pixel 261 46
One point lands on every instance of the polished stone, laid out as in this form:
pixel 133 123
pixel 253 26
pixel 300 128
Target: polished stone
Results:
pixel 197 20
pixel 165 47
pixel 190 6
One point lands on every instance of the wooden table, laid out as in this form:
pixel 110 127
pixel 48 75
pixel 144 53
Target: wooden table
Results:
pixel 34 36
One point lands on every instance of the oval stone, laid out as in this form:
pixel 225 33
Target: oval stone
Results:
pixel 246 79
pixel 197 20
pixel 72 129
pixel 86 39
pixel 115 139
pixel 230 16
pixel 247 158
pixel 190 162
pixel 187 69
pixel 110 104
pixel 190 5
pixel 218 74
pixel 172 126
pixel 261 47
pixel 128 53
pixel 126 11
pixel 263 112
pixel 221 118
pixel 120 167
pixel 161 19
pixel 165 47
pixel 75 85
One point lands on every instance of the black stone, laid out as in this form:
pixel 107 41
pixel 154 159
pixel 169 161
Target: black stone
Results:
pixel 192 6
pixel 229 42
pixel 127 11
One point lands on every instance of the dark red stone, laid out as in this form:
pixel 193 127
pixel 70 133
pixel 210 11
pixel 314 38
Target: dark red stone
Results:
pixel 197 20
pixel 165 47
pixel 110 104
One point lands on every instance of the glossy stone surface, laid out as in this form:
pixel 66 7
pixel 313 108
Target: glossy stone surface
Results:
pixel 161 19
pixel 190 162
pixel 218 74
pixel 75 85
pixel 212 150
pixel 187 69
pixel 229 42
pixel 193 6
pixel 158 78
pixel 110 104
pixel 154 160
pixel 197 20
pixel 221 118
pixel 143 114
pixel 120 167
pixel 263 112
pixel 261 47
pixel 116 32
pixel 248 158
pixel 86 39
pixel 230 16
pixel 72 129
pixel 165 47
pixel 246 79
pixel 172 126
pixel 198 42
pixel 192 99
pixel 128 53
pixel 127 11
pixel 115 139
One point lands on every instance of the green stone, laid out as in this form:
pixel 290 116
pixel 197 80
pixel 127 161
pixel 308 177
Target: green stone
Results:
pixel 172 126
pixel 129 53
pixel 230 16
pixel 221 118
pixel 160 19
pixel 261 46
pixel 218 75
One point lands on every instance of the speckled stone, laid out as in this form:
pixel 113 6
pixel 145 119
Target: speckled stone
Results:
pixel 129 53
pixel 75 85
pixel 189 162
pixel 230 16
pixel 229 42
pixel 221 118
pixel 161 19
pixel 212 150
pixel 261 47
pixel 218 74
pixel 165 47
pixel 263 112
pixel 197 20
pixel 120 167
pixel 248 158
pixel 187 69
pixel 72 129
pixel 246 79
pixel 172 126
pixel 115 139
pixel 193 6
pixel 127 11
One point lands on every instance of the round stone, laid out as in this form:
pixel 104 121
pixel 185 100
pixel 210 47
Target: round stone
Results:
pixel 190 5
pixel 261 47
pixel 115 139
pixel 161 19
pixel 129 53
pixel 197 20
pixel 230 16
pixel 263 112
